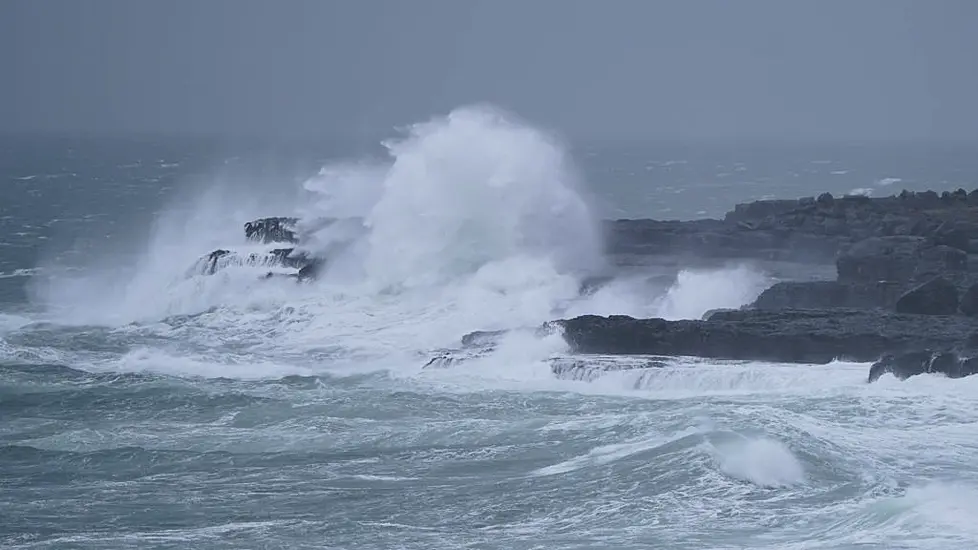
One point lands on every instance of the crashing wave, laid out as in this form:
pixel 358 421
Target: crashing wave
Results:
pixel 292 261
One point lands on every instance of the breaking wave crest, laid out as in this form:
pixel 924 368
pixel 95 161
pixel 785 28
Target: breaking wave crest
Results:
pixel 472 221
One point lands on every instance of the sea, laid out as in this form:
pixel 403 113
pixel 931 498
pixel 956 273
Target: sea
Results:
pixel 145 405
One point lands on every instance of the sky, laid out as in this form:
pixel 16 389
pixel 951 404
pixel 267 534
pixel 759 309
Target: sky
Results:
pixel 611 69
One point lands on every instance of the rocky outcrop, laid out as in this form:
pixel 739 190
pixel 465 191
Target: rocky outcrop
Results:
pixel 937 296
pixel 905 365
pixel 904 296
pixel 266 231
pixel 809 229
pixel 898 259
pixel 879 273
pixel 275 258
pixel 790 336
pixel 829 295
pixel 272 230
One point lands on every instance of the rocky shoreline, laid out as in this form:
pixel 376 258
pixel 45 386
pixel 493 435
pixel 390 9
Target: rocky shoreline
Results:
pixel 905 294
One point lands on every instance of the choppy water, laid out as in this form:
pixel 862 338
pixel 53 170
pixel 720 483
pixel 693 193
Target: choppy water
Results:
pixel 144 408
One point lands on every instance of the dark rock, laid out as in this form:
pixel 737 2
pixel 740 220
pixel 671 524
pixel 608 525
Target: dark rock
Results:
pixel 807 229
pixel 897 259
pixel 902 366
pixel 905 365
pixel 711 312
pixel 880 259
pixel 279 257
pixel 311 269
pixel 954 234
pixel 829 295
pixel 792 336
pixel 760 209
pixel 825 200
pixel 210 263
pixel 935 297
pixel 940 260
pixel 272 230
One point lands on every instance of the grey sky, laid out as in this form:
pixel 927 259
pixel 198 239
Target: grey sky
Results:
pixel 786 69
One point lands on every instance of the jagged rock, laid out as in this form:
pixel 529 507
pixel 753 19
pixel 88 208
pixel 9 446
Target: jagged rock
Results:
pixel 279 257
pixel 209 266
pixel 272 230
pixel 905 365
pixel 935 297
pixel 790 336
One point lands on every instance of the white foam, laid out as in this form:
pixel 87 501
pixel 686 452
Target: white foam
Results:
pixel 18 273
pixel 688 377
pixel 759 460
pixel 159 362
pixel 601 455
pixel 698 291
pixel 474 221
pixel 10 322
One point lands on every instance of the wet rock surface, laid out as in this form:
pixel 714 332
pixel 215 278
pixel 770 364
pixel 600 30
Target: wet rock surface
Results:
pixel 787 336
pixel 904 297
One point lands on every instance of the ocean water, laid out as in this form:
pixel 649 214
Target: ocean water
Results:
pixel 144 406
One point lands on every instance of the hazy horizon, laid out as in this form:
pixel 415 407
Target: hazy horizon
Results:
pixel 757 70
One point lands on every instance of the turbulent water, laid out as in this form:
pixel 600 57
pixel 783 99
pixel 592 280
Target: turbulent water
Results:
pixel 143 405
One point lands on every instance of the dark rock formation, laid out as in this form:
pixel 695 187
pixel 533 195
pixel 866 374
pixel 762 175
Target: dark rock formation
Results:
pixel 902 267
pixel 790 336
pixel 808 229
pixel 272 230
pixel 716 239
pixel 898 259
pixel 279 257
pixel 266 231
pixel 935 297
pixel 209 265
pixel 905 365
pixel 829 295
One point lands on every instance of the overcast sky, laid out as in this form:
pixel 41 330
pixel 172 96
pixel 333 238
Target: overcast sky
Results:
pixel 784 69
